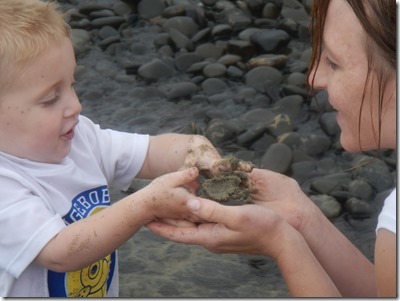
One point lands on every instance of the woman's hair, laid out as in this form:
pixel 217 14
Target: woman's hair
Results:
pixel 27 27
pixel 378 19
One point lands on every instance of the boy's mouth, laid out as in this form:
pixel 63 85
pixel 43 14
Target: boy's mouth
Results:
pixel 69 135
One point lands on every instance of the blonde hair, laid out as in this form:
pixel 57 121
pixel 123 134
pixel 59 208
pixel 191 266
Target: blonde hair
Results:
pixel 27 27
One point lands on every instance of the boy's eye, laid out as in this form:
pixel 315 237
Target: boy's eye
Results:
pixel 50 102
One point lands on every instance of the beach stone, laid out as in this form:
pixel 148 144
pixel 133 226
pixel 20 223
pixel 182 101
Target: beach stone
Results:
pixel 329 206
pixel 314 144
pixel 234 72
pixel 258 116
pixel 303 170
pixel 182 89
pixel 297 79
pixel 251 134
pixel 185 60
pixel 246 33
pixel 209 50
pixel 155 69
pixel 271 41
pixel 329 124
pixel 277 158
pixel 101 13
pixel 229 59
pixel 237 19
pixel 281 124
pixel 114 21
pixel 183 24
pixel 221 31
pixel 180 40
pixel 198 67
pixel 107 32
pixel 263 78
pixel 212 86
pixel 360 189
pixel 88 7
pixel 376 172
pixel 80 40
pixel 272 60
pixel 214 70
pixel 219 131
pixel 174 11
pixel 294 10
pixel 329 183
pixel 359 208
pixel 270 11
pixel 149 9
pixel 201 35
pixel 291 106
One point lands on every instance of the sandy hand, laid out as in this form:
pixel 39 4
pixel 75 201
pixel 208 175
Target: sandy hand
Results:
pixel 228 164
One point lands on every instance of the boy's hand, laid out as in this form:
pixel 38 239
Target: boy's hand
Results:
pixel 166 196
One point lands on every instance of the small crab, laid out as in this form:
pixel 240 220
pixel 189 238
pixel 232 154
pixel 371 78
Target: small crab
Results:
pixel 227 182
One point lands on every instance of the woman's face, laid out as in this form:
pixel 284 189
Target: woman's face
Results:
pixel 343 73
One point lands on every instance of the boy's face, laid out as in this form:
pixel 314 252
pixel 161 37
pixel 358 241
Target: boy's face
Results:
pixel 39 112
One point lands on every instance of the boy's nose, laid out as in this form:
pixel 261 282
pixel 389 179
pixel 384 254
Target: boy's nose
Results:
pixel 74 107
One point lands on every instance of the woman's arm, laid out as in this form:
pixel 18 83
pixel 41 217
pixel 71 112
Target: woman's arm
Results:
pixel 352 273
pixel 385 263
pixel 251 229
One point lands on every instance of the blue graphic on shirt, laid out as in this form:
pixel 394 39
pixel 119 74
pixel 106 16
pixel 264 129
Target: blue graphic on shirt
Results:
pixel 94 280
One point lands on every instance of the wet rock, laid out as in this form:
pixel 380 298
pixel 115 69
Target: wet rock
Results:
pixel 214 70
pixel 182 89
pixel 330 183
pixel 271 41
pixel 150 8
pixel 329 206
pixel 359 208
pixel 263 78
pixel 360 189
pixel 183 24
pixel 156 69
pixel 277 158
pixel 329 124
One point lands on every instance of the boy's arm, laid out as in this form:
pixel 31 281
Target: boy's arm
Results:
pixel 170 152
pixel 90 239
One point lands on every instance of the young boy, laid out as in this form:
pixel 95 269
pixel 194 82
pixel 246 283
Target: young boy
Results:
pixel 58 232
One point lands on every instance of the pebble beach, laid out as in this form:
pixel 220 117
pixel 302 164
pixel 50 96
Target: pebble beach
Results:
pixel 235 72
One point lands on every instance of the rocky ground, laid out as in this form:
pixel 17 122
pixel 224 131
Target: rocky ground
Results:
pixel 234 71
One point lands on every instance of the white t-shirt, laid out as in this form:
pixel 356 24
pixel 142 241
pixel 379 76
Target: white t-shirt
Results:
pixel 38 200
pixel 387 217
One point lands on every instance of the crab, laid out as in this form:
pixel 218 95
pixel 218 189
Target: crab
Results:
pixel 228 182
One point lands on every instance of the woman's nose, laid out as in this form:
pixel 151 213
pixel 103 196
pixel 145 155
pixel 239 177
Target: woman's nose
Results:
pixel 318 78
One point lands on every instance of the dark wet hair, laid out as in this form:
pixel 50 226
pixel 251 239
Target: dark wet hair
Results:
pixel 378 19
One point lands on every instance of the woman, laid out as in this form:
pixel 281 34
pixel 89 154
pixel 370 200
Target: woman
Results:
pixel 354 59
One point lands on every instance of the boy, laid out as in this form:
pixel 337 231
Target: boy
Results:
pixel 58 232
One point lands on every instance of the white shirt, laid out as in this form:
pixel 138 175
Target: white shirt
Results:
pixel 38 200
pixel 387 217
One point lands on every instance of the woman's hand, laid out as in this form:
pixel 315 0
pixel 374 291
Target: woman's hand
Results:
pixel 284 195
pixel 247 229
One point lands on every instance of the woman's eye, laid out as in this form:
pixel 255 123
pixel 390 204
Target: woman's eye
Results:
pixel 331 64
